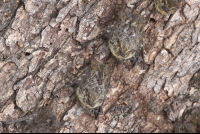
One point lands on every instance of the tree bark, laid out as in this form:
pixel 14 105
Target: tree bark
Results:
pixel 45 45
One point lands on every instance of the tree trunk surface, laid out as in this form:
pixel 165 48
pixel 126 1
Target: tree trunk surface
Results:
pixel 46 45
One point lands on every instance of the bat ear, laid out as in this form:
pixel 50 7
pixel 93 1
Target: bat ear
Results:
pixel 98 111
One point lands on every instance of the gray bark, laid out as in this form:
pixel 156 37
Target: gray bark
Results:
pixel 46 44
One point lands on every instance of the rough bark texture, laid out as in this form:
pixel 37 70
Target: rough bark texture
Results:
pixel 46 44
